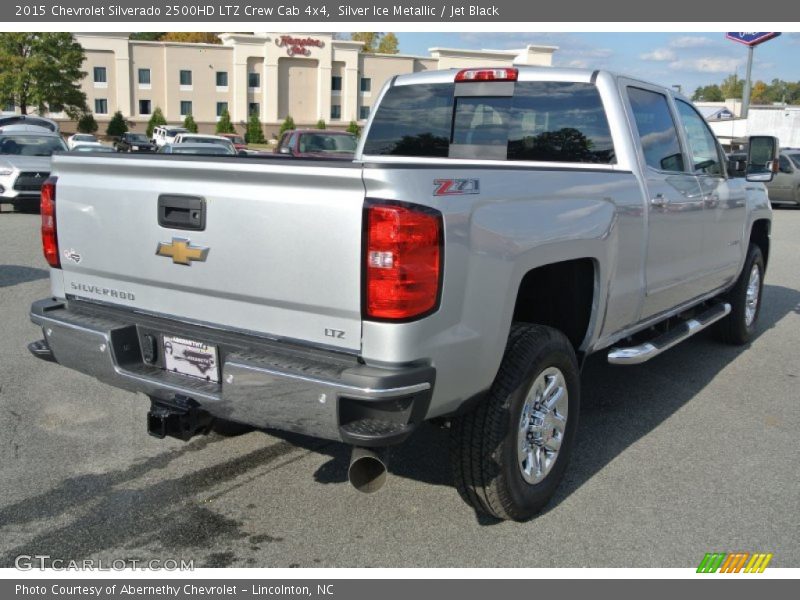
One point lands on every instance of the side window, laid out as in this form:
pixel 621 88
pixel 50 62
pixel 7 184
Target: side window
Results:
pixel 784 165
pixel 703 144
pixel 657 132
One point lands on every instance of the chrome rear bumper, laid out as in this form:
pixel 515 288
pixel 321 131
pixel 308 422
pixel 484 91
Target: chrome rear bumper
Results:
pixel 264 383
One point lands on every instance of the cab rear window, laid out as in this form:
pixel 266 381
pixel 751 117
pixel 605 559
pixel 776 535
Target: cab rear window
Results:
pixel 542 121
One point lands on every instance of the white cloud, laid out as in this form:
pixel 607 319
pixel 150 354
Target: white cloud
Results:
pixel 659 55
pixel 691 41
pixel 578 64
pixel 708 64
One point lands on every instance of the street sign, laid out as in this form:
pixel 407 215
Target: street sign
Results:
pixel 750 38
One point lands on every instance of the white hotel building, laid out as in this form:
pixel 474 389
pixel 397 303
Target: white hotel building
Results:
pixel 310 76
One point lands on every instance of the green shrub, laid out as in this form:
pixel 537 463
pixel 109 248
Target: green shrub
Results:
pixel 117 126
pixel 288 123
pixel 156 119
pixel 87 124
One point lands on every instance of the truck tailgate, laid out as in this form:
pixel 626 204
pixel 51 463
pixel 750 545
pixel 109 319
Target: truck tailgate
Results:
pixel 283 242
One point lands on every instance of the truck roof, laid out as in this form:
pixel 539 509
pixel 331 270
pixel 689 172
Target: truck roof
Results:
pixel 529 73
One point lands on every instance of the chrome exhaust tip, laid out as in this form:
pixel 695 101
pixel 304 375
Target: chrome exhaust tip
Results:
pixel 367 471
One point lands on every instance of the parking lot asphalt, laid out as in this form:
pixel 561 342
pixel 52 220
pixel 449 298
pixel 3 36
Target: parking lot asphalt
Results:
pixel 695 451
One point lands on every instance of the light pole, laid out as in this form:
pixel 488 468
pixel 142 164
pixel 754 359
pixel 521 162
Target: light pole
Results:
pixel 746 93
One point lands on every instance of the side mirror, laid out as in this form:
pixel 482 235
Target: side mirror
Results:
pixel 284 150
pixel 762 158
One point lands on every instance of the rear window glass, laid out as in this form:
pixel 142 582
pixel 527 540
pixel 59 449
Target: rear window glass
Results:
pixel 542 121
pixel 413 120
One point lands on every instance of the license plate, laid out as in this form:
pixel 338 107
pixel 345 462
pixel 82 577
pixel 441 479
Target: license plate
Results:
pixel 192 358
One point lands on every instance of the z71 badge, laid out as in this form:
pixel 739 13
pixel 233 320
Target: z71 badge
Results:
pixel 456 187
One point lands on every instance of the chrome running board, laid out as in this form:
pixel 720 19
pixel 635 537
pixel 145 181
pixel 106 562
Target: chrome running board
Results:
pixel 634 355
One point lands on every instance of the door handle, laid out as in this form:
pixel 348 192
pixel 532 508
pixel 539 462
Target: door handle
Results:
pixel 182 212
pixel 658 201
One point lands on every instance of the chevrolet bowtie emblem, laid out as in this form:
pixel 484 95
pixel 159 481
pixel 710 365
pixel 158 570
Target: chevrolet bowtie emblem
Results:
pixel 182 252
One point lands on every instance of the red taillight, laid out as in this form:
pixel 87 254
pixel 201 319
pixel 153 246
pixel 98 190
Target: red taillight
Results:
pixel 403 261
pixel 487 75
pixel 49 234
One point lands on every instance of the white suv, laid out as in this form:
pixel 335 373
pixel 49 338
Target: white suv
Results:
pixel 166 134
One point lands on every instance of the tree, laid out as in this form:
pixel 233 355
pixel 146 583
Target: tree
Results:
pixel 288 123
pixel 191 37
pixel 370 39
pixel 388 44
pixel 87 124
pixel 759 95
pixel 156 119
pixel 254 133
pixel 708 93
pixel 42 71
pixel 732 87
pixel 354 128
pixel 321 124
pixel 190 124
pixel 117 125
pixel 224 124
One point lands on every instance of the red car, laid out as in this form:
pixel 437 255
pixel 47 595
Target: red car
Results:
pixel 317 143
pixel 237 140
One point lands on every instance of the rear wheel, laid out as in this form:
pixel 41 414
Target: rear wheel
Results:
pixel 745 299
pixel 510 452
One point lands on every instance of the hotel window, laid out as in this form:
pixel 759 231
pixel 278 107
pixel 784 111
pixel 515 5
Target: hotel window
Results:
pixel 101 106
pixel 336 111
pixel 363 112
pixel 222 79
pixel 366 84
pixel 186 77
pixel 253 108
pixel 100 75
pixel 144 76
pixel 254 80
pixel 336 83
pixel 186 107
pixel 221 108
pixel 144 107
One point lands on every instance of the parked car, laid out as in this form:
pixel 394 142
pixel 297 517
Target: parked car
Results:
pixel 199 138
pixel 785 187
pixel 166 134
pixel 88 145
pixel 25 163
pixel 35 123
pixel 202 148
pixel 134 142
pixel 86 148
pixel 497 227
pixel 237 140
pixel 81 138
pixel 317 143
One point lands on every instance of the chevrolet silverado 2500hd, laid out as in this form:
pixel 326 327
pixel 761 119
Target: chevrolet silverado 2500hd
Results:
pixel 495 228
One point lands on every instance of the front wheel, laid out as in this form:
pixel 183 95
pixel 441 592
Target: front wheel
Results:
pixel 510 452
pixel 745 299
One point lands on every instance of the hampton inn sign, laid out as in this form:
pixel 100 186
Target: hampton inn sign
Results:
pixel 298 46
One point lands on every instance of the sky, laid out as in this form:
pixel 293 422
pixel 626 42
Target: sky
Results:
pixel 686 59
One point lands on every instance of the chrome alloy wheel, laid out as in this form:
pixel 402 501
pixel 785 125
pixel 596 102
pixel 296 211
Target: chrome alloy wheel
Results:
pixel 542 425
pixel 751 301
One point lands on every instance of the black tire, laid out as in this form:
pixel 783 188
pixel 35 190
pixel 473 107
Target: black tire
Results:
pixel 484 441
pixel 734 329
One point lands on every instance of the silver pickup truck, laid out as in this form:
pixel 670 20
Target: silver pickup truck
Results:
pixel 496 227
